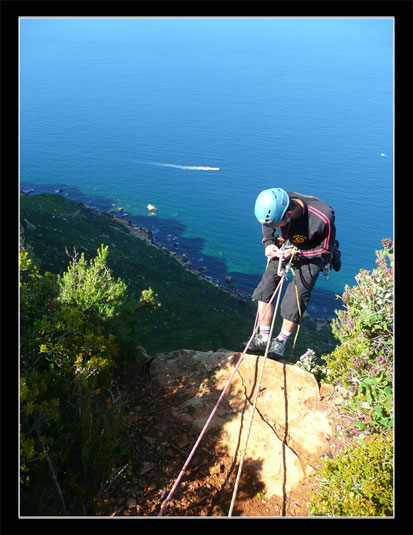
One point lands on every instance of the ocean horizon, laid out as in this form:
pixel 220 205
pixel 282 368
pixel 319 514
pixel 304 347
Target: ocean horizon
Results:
pixel 197 116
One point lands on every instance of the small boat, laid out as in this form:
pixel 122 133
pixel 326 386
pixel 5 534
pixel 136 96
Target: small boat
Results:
pixel 151 208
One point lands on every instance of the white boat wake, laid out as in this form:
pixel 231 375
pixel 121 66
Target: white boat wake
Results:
pixel 190 167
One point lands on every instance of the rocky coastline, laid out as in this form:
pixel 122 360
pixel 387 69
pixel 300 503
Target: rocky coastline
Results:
pixel 147 236
pixel 142 233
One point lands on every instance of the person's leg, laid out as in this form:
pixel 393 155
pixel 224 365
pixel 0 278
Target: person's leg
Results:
pixel 306 276
pixel 266 315
pixel 278 344
pixel 287 325
pixel 263 293
pixel 286 330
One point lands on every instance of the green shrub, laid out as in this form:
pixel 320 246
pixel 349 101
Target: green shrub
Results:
pixel 37 295
pixel 69 349
pixel 98 449
pixel 92 289
pixel 310 363
pixel 359 482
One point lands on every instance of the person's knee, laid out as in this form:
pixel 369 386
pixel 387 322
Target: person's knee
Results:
pixel 293 309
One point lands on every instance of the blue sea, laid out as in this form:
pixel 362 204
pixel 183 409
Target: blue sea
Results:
pixel 197 115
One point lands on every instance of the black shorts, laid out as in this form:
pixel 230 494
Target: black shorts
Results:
pixel 306 274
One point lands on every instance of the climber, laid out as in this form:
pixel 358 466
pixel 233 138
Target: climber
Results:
pixel 304 222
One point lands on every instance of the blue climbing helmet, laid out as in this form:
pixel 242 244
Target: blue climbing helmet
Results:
pixel 271 205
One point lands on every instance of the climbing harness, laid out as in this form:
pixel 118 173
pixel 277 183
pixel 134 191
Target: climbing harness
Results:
pixel 203 431
pixel 281 269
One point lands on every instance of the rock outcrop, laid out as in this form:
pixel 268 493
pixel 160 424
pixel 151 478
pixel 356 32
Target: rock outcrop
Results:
pixel 290 429
pixel 138 232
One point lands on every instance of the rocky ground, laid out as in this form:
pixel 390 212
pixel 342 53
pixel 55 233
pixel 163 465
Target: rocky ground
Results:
pixel 160 444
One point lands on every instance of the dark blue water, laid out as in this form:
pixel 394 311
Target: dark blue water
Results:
pixel 197 116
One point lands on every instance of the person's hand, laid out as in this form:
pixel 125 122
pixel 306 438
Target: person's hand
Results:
pixel 285 254
pixel 271 251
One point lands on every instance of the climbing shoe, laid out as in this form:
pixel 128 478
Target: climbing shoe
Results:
pixel 257 343
pixel 276 349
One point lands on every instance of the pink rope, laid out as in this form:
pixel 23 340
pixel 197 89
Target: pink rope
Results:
pixel 185 466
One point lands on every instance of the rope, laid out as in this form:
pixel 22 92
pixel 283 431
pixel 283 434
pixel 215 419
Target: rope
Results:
pixel 256 315
pixel 185 466
pixel 299 312
pixel 203 431
pixel 234 494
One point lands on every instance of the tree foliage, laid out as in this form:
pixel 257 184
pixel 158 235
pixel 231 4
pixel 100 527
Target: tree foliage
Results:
pixel 73 330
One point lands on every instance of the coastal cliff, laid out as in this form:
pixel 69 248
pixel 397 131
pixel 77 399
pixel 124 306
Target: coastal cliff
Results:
pixel 196 311
pixel 108 395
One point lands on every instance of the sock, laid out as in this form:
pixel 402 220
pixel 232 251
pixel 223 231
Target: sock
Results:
pixel 283 336
pixel 265 332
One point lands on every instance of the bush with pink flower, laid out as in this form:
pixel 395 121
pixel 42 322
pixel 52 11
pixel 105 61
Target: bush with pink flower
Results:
pixel 363 362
